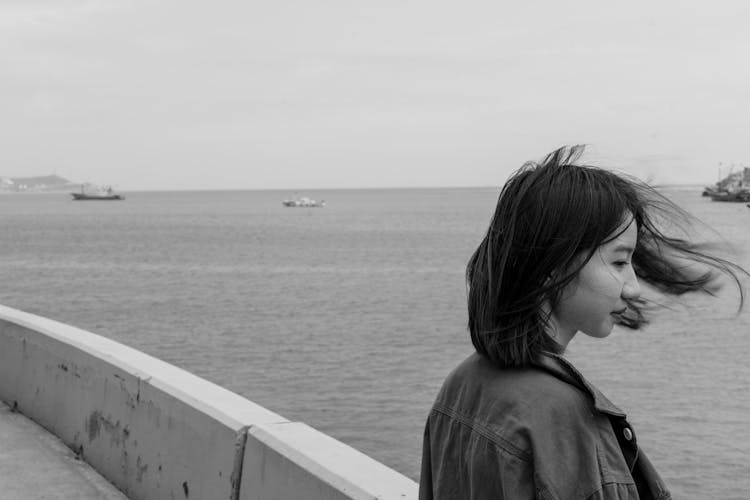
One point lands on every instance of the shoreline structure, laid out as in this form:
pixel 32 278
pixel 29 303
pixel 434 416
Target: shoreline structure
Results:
pixel 154 430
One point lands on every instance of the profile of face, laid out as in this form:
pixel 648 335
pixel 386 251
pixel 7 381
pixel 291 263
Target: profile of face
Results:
pixel 592 302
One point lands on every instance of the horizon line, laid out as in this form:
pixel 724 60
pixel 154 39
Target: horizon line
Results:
pixel 300 189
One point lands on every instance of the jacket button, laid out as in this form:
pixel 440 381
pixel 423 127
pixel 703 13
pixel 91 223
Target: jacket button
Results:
pixel 627 433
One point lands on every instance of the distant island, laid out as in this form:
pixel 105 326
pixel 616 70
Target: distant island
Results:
pixel 41 184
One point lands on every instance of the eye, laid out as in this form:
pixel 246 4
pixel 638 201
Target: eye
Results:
pixel 621 263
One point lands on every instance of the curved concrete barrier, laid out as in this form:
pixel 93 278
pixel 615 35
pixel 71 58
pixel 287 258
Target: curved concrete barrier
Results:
pixel 156 431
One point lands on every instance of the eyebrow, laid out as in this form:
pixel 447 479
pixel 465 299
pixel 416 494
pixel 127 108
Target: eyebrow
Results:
pixel 624 248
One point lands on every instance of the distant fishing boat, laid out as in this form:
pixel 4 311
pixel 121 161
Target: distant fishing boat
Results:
pixel 101 194
pixel 709 190
pixel 730 195
pixel 304 202
pixel 733 187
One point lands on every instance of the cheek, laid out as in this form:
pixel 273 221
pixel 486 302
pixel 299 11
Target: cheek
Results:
pixel 601 284
pixel 576 306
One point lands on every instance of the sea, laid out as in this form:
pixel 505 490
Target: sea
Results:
pixel 349 317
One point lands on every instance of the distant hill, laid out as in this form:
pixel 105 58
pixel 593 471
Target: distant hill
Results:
pixel 36 184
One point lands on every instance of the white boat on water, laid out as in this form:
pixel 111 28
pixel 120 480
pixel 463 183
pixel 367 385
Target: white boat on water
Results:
pixel 304 202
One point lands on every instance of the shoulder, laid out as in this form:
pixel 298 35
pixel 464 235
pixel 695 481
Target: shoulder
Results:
pixel 477 380
pixel 515 423
pixel 511 405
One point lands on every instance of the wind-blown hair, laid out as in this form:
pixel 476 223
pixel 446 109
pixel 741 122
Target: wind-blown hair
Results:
pixel 549 221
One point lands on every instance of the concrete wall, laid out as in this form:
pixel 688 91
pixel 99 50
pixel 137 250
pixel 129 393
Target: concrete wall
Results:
pixel 158 432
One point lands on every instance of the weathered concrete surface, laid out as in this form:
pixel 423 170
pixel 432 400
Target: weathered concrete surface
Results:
pixel 156 431
pixel 36 465
pixel 293 461
pixel 152 429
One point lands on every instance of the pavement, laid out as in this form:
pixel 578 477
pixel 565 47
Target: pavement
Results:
pixel 36 465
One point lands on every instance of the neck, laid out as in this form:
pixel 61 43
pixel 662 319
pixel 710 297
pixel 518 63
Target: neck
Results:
pixel 560 335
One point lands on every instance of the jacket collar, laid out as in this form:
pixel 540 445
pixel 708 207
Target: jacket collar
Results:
pixel 562 369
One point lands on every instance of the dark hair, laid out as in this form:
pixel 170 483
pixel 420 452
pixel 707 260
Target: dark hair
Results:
pixel 548 215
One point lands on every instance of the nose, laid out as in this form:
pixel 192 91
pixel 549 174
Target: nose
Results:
pixel 631 289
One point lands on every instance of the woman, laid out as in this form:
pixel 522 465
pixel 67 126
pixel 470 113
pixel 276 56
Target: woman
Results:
pixel 566 252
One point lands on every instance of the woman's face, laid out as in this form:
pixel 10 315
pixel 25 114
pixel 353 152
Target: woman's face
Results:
pixel 594 300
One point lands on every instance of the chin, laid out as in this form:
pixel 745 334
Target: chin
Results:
pixel 600 333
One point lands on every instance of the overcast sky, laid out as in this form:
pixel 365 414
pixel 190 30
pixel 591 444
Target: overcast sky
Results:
pixel 333 93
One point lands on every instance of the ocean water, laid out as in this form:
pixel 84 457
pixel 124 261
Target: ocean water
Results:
pixel 348 317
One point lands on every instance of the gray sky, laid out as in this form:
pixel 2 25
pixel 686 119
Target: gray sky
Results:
pixel 333 93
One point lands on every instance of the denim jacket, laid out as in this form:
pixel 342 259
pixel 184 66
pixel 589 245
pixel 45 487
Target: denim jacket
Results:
pixel 541 432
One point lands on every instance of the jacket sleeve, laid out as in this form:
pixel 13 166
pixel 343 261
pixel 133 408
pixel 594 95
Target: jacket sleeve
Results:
pixel 458 464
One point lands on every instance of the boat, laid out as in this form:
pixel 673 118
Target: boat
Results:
pixel 304 202
pixel 733 187
pixel 101 194
pixel 709 190
pixel 730 195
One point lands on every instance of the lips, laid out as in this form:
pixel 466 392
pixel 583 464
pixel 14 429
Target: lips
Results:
pixel 620 312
